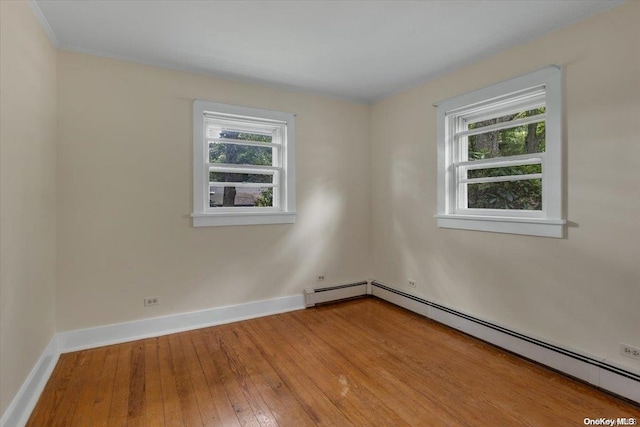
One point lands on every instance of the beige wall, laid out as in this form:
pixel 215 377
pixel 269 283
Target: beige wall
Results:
pixel 582 291
pixel 125 195
pixel 27 190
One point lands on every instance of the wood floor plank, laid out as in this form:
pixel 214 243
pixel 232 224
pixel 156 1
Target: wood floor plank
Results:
pixel 206 405
pixel 154 406
pixel 118 413
pixel 99 412
pixel 226 380
pixel 228 340
pixel 226 413
pixel 85 409
pixel 357 363
pixel 137 399
pixel 170 398
pixel 77 384
pixel 184 387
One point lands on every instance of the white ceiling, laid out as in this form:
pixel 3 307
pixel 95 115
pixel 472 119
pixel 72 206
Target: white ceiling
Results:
pixel 360 50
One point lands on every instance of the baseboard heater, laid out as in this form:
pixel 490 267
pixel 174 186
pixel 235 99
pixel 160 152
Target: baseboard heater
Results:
pixel 334 293
pixel 598 372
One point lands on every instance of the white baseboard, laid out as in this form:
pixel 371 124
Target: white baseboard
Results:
pixel 597 371
pixel 19 410
pixel 82 339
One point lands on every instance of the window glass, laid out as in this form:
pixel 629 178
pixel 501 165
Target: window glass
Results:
pixel 511 141
pixel 236 154
pixel 240 197
pixel 520 195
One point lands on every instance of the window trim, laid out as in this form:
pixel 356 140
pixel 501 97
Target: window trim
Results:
pixel 284 212
pixel 549 221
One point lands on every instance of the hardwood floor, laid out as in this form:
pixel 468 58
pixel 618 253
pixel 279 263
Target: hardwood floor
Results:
pixel 357 363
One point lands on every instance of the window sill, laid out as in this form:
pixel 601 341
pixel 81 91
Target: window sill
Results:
pixel 529 226
pixel 244 218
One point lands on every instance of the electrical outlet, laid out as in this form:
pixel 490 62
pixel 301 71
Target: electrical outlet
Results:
pixel 320 276
pixel 630 351
pixel 151 301
pixel 413 284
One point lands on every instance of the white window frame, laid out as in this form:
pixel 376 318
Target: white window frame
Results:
pixel 543 87
pixel 282 126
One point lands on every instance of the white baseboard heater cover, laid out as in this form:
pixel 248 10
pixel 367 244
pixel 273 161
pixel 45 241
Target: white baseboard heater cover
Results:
pixel 334 293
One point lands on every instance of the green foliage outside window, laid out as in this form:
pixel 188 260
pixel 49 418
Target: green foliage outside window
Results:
pixel 529 138
pixel 265 199
pixel 242 154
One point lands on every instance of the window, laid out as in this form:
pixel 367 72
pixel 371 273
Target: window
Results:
pixel 500 157
pixel 243 167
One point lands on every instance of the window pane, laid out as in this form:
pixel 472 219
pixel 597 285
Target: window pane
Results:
pixel 216 132
pixel 240 197
pixel 505 171
pixel 523 139
pixel 240 177
pixel 507 118
pixel 520 195
pixel 240 154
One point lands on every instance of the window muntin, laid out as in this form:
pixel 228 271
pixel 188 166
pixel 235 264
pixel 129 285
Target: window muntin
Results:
pixel 223 176
pixel 516 172
pixel 499 151
pixel 243 165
